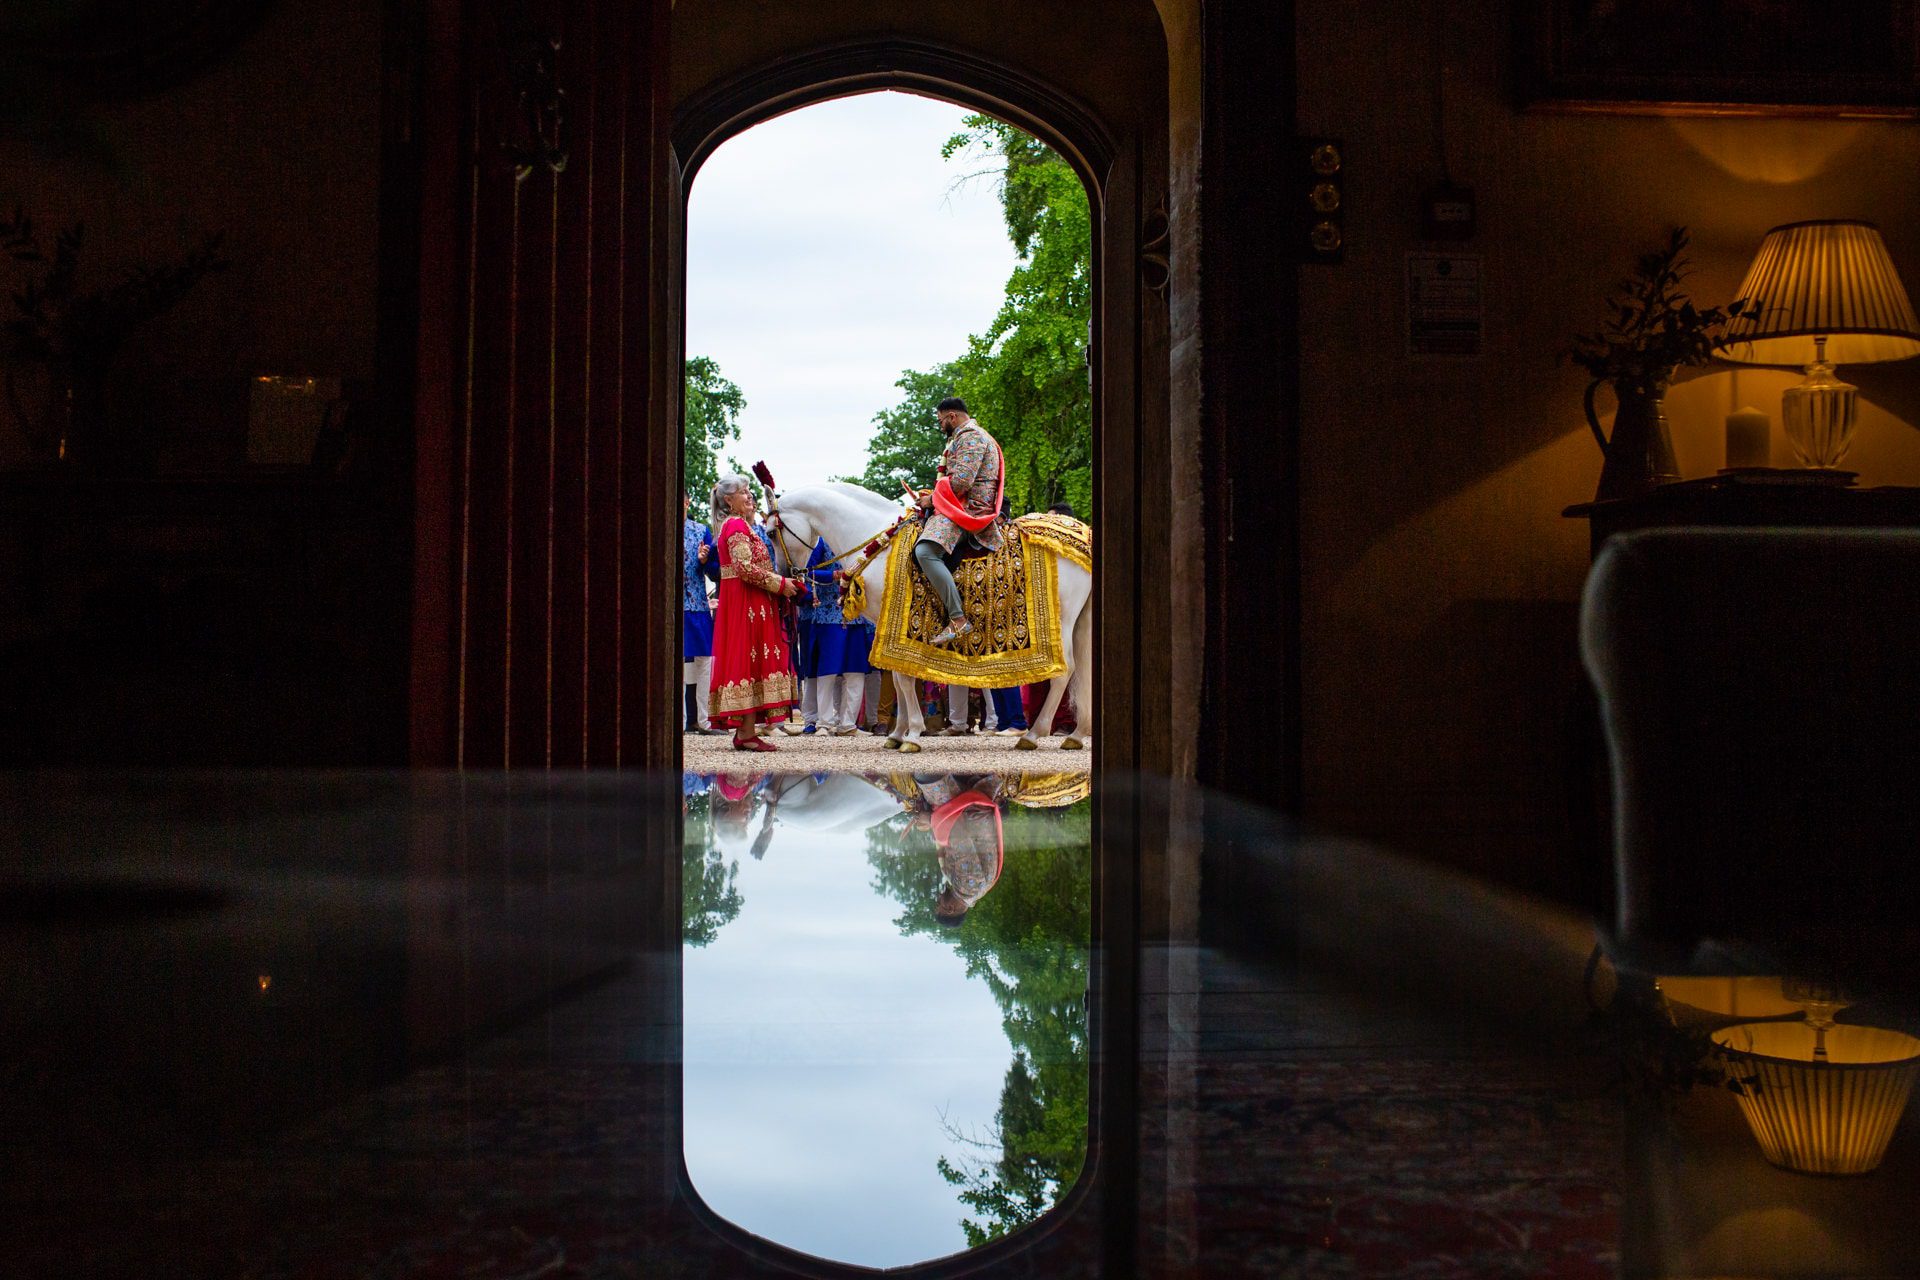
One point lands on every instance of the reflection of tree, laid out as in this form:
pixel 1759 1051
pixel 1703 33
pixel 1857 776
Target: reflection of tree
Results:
pixel 1028 941
pixel 709 894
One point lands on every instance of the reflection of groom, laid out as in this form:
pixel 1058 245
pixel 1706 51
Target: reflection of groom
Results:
pixel 972 848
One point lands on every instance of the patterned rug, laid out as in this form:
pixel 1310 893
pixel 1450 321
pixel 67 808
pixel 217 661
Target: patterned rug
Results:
pixel 1474 1168
pixel 553 1152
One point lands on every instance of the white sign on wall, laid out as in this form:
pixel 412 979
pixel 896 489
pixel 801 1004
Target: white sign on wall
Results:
pixel 1446 309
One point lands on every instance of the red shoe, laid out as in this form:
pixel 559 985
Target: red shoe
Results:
pixel 752 744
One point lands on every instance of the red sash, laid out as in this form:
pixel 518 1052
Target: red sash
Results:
pixel 949 813
pixel 734 789
pixel 949 506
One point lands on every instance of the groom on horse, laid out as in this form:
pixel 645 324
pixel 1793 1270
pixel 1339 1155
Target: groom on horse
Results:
pixel 963 504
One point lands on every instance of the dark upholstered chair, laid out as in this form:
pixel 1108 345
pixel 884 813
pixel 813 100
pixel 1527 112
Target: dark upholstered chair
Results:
pixel 1760 690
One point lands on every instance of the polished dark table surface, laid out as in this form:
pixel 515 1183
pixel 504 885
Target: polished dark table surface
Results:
pixel 424 1025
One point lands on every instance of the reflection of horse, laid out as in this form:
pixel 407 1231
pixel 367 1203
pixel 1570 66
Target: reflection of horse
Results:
pixel 847 516
pixel 837 802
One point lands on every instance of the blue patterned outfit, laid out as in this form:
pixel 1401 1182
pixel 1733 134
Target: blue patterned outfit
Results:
pixel 696 615
pixel 831 646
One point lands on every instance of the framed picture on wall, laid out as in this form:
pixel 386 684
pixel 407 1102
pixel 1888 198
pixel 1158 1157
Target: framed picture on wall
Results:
pixel 1720 57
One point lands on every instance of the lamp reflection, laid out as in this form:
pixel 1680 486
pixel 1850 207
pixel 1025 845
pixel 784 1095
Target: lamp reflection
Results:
pixel 1821 1099
pixel 1719 1001
pixel 886 1053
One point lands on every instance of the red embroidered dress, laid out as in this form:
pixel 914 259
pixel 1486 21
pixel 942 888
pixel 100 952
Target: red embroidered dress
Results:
pixel 750 667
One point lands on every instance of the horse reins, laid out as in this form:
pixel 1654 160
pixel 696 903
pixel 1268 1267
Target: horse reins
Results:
pixel 854 588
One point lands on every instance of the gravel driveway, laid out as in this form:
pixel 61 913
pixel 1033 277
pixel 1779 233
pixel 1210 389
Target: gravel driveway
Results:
pixel 862 753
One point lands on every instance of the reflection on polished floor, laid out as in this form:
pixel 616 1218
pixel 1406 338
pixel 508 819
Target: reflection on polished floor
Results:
pixel 407 1025
pixel 884 990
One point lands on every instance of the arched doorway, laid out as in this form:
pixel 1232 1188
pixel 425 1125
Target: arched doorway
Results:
pixel 875 1067
pixel 1123 167
pixel 1126 187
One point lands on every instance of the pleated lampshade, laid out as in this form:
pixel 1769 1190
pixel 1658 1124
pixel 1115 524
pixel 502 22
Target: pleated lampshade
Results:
pixel 1830 280
pixel 1821 1115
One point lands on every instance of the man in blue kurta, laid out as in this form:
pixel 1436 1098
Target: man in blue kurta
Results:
pixel 837 658
pixel 699 565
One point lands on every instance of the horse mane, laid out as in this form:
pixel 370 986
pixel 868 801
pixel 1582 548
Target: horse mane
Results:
pixel 859 494
pixel 858 491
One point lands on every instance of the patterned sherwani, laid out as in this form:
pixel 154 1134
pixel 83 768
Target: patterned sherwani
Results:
pixel 972 465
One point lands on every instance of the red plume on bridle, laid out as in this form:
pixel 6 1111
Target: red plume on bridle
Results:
pixel 763 475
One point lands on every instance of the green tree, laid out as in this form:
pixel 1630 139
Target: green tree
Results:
pixel 906 442
pixel 1027 378
pixel 1028 940
pixel 713 413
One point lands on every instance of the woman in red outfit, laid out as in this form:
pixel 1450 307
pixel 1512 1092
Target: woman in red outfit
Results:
pixel 751 674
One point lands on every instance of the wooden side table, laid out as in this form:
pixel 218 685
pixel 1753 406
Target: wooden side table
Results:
pixel 1740 502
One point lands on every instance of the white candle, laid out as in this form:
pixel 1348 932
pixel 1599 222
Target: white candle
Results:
pixel 1749 439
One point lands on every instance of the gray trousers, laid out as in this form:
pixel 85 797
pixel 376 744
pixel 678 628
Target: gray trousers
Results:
pixel 932 558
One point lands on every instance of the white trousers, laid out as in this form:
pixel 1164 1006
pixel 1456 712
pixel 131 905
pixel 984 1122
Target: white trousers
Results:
pixel 957 695
pixel 698 672
pixel 835 700
pixel 853 689
pixel 810 701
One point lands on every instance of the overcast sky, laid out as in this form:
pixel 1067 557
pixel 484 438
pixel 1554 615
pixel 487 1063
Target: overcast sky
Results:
pixel 827 251
pixel 826 1054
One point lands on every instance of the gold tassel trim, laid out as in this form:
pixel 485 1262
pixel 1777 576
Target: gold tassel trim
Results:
pixel 853 598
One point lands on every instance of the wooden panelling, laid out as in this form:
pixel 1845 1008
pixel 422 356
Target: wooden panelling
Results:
pixel 568 546
pixel 603 458
pixel 533 450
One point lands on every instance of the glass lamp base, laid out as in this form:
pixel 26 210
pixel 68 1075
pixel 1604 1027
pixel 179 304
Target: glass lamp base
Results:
pixel 1818 415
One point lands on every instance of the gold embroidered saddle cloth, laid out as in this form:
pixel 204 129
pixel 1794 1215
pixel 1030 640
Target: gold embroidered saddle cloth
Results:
pixel 1047 790
pixel 1012 598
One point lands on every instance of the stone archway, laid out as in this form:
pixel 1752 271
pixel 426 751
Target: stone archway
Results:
pixel 1127 189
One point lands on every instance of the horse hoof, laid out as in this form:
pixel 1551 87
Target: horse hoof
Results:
pixel 1026 744
pixel 909 748
pixel 891 744
pixel 1072 744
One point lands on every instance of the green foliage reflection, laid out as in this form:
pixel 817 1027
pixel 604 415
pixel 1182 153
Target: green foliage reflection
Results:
pixel 1028 940
pixel 709 891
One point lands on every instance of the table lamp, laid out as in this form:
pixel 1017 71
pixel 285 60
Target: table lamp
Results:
pixel 1828 295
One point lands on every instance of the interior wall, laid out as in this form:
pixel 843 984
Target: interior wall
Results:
pixel 279 149
pixel 1440 580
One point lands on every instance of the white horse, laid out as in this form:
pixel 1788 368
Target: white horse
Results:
pixel 839 802
pixel 848 517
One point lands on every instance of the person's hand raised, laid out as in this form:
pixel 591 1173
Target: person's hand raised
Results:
pixel 704 549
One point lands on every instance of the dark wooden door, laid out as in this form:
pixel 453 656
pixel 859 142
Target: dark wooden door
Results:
pixel 543 424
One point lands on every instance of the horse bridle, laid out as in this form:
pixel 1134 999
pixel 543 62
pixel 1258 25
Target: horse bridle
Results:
pixel 773 510
pixel 787 542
